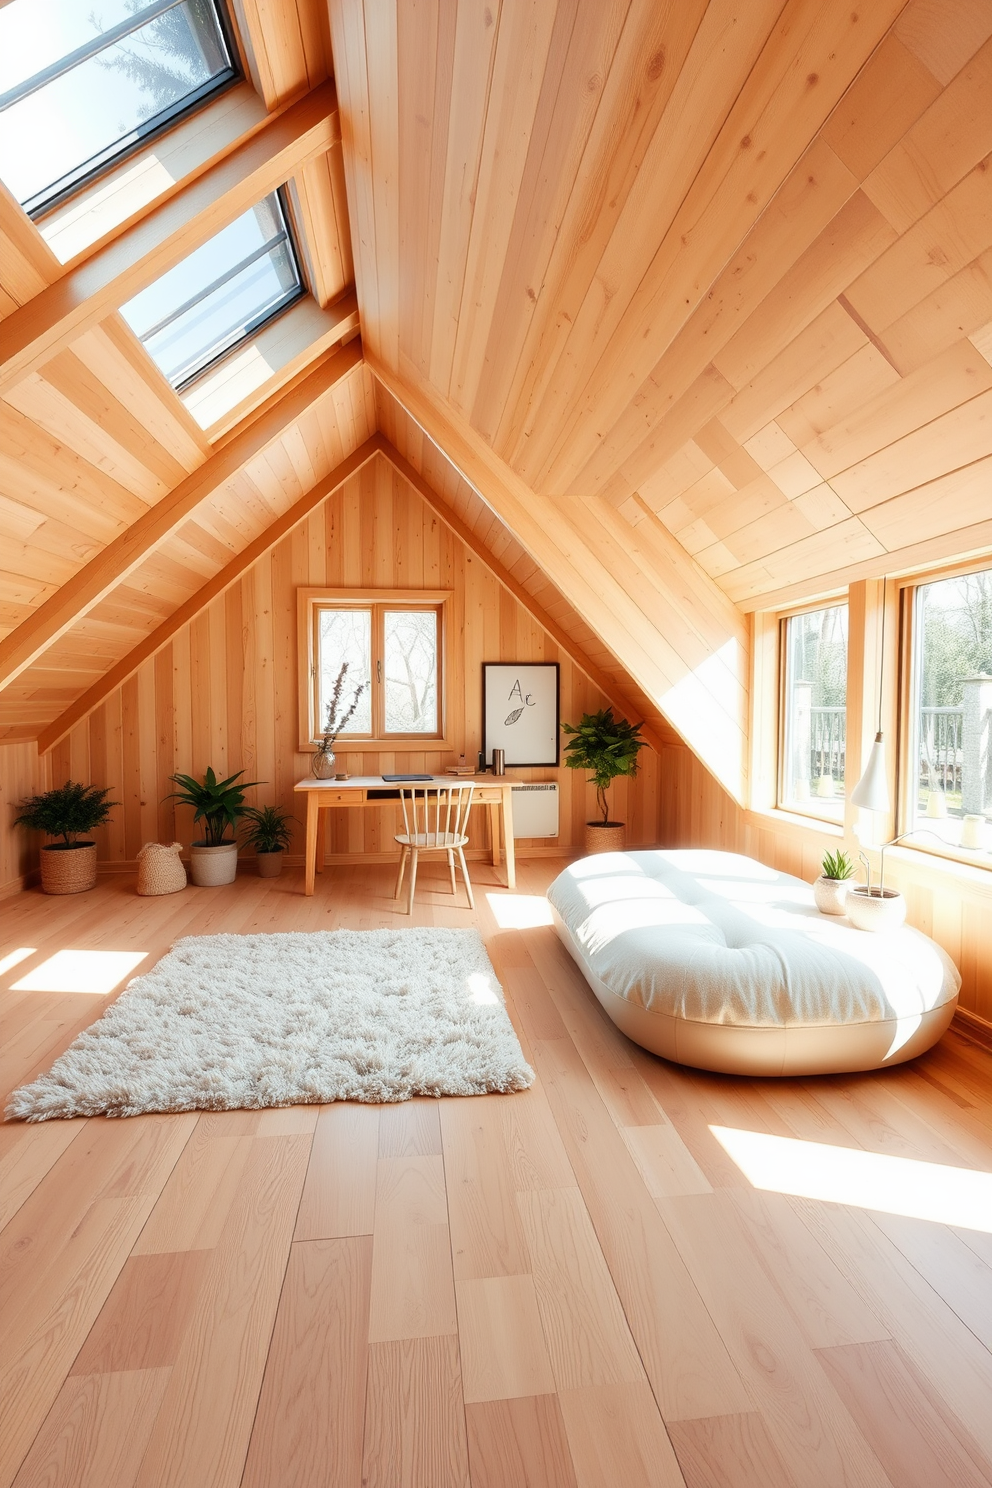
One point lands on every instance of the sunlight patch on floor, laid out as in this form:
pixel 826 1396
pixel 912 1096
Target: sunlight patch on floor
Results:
pixel 866 1180
pixel 81 971
pixel 520 911
pixel 14 958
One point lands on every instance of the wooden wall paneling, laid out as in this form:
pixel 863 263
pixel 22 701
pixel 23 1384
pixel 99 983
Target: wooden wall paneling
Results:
pixel 22 773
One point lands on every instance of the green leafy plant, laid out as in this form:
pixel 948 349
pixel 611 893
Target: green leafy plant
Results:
pixel 837 865
pixel 269 830
pixel 219 804
pixel 605 746
pixel 70 811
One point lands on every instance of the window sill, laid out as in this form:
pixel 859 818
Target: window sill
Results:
pixel 775 815
pixel 975 869
pixel 386 746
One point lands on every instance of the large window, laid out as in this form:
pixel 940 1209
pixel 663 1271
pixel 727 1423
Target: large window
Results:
pixel 813 750
pixel 218 296
pixel 394 645
pixel 950 751
pixel 82 85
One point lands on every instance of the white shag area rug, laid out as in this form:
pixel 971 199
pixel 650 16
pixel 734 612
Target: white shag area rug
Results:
pixel 233 1021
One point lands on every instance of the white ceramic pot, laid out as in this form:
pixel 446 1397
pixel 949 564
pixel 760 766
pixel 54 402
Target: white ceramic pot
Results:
pixel 874 911
pixel 830 894
pixel 211 866
pixel 269 863
pixel 605 837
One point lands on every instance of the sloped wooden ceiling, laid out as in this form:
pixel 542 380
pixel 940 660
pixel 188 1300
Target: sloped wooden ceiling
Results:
pixel 679 309
pixel 695 294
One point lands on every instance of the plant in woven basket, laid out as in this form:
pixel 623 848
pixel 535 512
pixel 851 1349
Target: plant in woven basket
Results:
pixel 70 811
pixel 269 830
pixel 219 804
pixel 837 866
pixel 605 746
pixel 337 721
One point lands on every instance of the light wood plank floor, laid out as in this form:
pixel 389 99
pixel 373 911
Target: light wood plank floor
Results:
pixel 572 1287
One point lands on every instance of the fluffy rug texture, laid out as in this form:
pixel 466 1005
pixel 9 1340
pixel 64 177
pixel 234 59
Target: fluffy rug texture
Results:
pixel 228 1021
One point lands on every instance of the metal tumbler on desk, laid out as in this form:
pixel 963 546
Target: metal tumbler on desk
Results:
pixel 499 761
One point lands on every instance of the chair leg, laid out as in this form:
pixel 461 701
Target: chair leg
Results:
pixel 399 880
pixel 451 869
pixel 413 879
pixel 468 881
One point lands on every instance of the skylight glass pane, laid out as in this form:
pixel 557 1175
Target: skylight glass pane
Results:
pixel 219 295
pixel 78 87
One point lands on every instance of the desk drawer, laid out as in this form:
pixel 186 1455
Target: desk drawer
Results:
pixel 341 797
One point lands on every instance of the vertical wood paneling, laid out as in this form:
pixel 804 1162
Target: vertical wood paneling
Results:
pixel 224 692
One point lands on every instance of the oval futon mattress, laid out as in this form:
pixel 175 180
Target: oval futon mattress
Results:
pixel 713 960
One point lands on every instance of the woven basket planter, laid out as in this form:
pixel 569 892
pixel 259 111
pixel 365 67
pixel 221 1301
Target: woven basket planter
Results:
pixel 68 870
pixel 605 837
pixel 269 864
pixel 160 870
pixel 212 866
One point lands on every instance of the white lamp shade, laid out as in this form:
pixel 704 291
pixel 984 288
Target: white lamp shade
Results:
pixel 872 790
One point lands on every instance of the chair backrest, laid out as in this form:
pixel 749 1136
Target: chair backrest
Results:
pixel 434 812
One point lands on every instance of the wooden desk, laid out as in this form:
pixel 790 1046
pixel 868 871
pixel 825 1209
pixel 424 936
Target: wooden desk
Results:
pixel 496 792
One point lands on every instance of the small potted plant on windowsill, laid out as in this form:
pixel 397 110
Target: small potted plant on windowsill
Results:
pixel 831 888
pixel 70 812
pixel 607 747
pixel 219 804
pixel 269 833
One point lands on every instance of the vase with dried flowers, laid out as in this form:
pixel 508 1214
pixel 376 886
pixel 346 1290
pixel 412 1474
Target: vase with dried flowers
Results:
pixel 324 761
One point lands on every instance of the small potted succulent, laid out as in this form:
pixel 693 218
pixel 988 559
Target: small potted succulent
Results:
pixel 607 747
pixel 71 811
pixel 269 833
pixel 831 888
pixel 219 804
pixel 324 762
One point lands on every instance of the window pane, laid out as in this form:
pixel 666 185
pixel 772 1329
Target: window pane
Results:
pixel 80 87
pixel 816 712
pixel 219 295
pixel 411 671
pixel 953 709
pixel 345 635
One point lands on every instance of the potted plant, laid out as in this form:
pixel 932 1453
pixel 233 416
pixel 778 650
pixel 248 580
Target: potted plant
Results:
pixel 879 908
pixel 269 834
pixel 831 888
pixel 70 811
pixel 219 804
pixel 324 762
pixel 607 747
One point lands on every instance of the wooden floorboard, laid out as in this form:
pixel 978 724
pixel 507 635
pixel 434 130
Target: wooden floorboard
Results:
pixel 570 1287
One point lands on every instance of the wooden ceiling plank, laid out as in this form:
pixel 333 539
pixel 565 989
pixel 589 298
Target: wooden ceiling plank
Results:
pixel 960 306
pixel 127 551
pixel 351 73
pixel 491 559
pixel 944 34
pixel 837 395
pixel 887 97
pixel 167 234
pixel 215 586
pixel 771 125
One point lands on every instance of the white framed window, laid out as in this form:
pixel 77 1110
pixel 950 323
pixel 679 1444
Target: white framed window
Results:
pixel 394 642
pixel 946 794
pixel 82 87
pixel 813 712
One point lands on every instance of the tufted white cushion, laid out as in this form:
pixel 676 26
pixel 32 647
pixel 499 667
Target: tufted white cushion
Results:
pixel 714 960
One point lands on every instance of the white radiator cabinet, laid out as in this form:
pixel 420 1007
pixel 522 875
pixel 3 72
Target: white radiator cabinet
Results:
pixel 535 808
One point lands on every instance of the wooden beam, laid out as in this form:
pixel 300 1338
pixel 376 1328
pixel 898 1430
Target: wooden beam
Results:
pixel 464 533
pixel 685 667
pixel 91 699
pixel 121 557
pixel 168 234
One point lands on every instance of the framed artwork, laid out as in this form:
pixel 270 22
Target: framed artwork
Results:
pixel 520 711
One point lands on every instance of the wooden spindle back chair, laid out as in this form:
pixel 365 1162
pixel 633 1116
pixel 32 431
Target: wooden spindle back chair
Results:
pixel 435 820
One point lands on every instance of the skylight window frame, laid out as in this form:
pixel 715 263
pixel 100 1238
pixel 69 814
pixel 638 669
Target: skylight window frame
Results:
pixel 206 362
pixel 90 170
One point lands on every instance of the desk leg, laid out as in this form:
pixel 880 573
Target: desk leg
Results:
pixel 313 822
pixel 511 858
pixel 494 826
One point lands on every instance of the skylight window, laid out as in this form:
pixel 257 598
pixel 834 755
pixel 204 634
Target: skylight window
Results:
pixel 81 86
pixel 218 296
